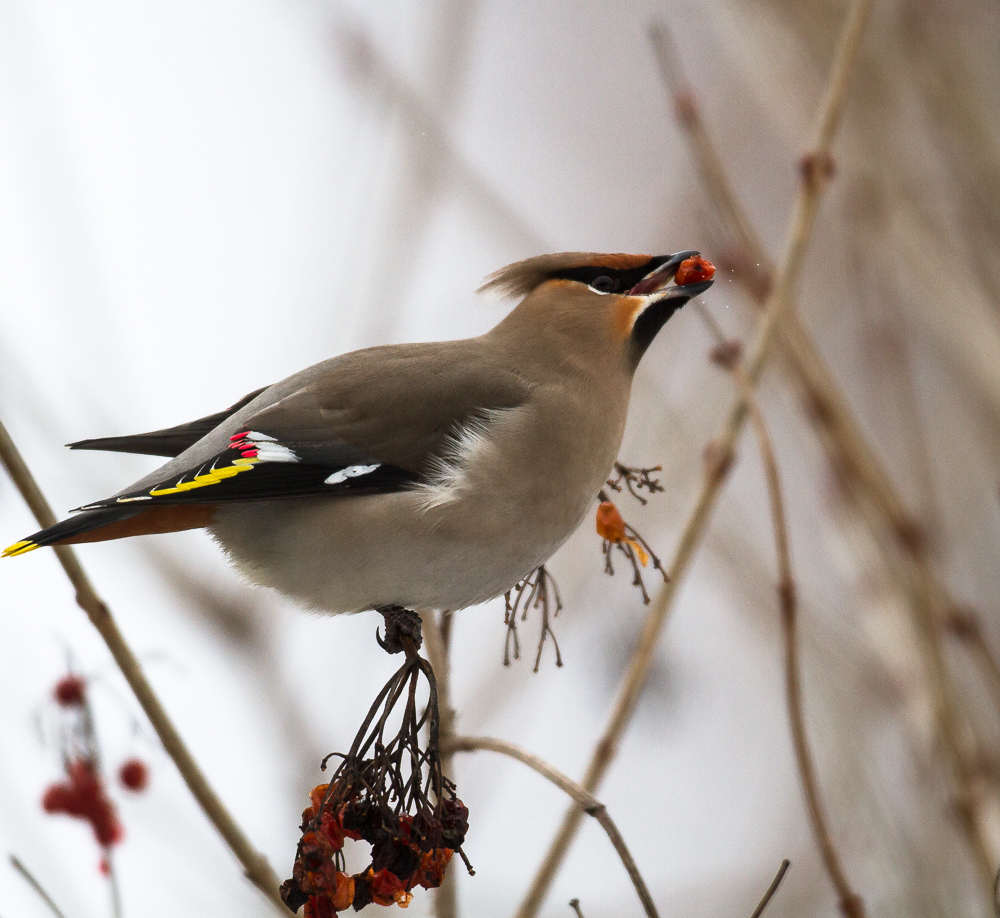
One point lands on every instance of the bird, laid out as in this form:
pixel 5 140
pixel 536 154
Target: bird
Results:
pixel 429 475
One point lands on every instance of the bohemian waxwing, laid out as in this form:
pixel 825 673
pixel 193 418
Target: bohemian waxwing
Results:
pixel 416 475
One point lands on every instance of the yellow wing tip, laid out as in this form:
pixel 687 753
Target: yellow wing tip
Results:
pixel 19 548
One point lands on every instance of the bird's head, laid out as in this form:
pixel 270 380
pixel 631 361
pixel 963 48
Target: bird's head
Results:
pixel 608 305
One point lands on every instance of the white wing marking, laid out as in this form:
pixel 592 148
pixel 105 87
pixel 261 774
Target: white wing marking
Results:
pixel 352 471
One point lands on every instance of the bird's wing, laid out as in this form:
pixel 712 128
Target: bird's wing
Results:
pixel 170 441
pixel 369 422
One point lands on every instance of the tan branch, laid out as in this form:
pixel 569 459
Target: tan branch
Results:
pixel 257 869
pixel 807 205
pixel 587 802
pixel 850 903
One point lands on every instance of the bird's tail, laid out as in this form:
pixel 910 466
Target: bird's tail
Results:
pixel 67 530
pixel 113 523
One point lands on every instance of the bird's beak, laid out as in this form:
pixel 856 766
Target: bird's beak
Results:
pixel 662 280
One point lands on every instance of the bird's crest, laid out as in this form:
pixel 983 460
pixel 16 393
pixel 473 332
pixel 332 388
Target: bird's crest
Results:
pixel 520 278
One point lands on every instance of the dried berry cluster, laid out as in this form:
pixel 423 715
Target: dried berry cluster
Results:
pixel 407 852
pixel 389 792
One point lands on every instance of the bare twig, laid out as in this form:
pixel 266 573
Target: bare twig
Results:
pixel 772 889
pixel 538 590
pixel 575 905
pixel 804 217
pixel 635 479
pixel 255 865
pixel 842 436
pixel 587 802
pixel 36 886
pixel 850 902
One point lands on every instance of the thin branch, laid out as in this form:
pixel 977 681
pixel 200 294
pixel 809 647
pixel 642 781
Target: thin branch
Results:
pixel 587 802
pixel 116 896
pixel 772 889
pixel 850 902
pixel 36 886
pixel 255 865
pixel 810 193
pixel 575 905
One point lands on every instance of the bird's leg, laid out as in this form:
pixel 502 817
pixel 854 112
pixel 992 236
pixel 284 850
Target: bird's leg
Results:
pixel 402 630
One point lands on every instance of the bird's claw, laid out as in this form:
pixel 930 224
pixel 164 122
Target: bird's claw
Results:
pixel 402 628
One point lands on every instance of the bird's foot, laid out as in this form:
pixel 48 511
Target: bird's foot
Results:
pixel 402 630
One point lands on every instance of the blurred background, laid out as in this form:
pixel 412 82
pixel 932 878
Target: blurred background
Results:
pixel 197 199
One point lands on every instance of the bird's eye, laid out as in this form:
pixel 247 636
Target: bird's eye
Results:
pixel 604 284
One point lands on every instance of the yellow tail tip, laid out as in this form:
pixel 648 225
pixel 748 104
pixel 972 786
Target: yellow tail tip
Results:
pixel 19 548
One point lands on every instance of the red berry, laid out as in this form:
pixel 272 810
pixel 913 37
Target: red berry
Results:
pixel 58 798
pixel 134 774
pixel 70 690
pixel 692 270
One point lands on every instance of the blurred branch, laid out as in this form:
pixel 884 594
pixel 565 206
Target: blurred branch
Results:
pixel 965 627
pixel 36 886
pixel 772 889
pixel 842 436
pixel 727 355
pixel 721 454
pixel 828 406
pixel 368 63
pixel 257 869
pixel 588 803
pixel 850 902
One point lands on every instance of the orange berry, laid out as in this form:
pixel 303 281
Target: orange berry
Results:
pixel 693 270
pixel 610 525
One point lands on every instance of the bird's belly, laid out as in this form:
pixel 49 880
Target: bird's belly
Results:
pixel 357 553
